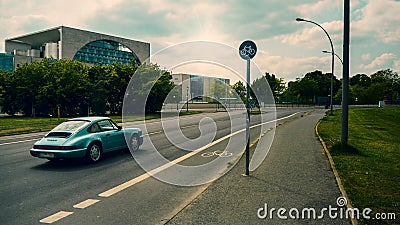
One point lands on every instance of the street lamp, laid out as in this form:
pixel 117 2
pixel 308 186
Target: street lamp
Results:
pixel 333 56
pixel 337 56
pixel 187 98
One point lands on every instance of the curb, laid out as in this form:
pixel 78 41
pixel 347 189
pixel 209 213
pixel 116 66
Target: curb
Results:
pixel 353 219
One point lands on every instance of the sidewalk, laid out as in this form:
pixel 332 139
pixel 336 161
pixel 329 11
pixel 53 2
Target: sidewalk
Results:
pixel 295 175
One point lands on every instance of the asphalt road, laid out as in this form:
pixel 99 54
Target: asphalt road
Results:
pixel 36 191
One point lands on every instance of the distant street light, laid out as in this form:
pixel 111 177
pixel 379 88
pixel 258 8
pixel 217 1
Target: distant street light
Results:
pixel 333 56
pixel 187 98
pixel 337 56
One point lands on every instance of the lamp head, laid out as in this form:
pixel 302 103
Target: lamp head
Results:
pixel 299 19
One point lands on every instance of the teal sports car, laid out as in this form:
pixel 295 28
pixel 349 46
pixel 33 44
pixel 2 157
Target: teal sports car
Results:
pixel 86 137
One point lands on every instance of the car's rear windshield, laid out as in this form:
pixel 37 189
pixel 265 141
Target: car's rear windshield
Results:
pixel 71 125
pixel 59 134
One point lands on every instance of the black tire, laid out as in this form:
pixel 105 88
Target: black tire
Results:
pixel 134 143
pixel 94 152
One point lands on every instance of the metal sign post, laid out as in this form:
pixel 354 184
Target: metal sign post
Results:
pixel 247 50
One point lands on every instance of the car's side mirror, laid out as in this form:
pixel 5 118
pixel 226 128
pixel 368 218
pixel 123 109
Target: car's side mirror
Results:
pixel 119 127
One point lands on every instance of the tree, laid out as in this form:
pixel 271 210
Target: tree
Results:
pixel 313 85
pixel 3 75
pixel 388 80
pixel 108 85
pixel 9 93
pixel 276 84
pixel 148 89
pixel 361 80
pixel 240 90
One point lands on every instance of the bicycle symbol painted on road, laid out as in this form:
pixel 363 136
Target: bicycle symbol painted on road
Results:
pixel 217 153
pixel 247 51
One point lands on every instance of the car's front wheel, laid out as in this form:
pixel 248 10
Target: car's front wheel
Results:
pixel 134 143
pixel 94 152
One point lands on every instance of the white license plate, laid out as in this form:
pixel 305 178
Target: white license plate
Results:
pixel 46 155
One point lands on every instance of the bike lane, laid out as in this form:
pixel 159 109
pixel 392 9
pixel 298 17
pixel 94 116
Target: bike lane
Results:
pixel 294 185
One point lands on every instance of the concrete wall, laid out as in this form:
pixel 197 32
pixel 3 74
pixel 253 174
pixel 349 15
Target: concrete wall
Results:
pixel 19 60
pixel 10 46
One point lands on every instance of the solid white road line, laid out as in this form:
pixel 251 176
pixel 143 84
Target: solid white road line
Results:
pixel 86 203
pixel 18 136
pixel 16 142
pixel 55 217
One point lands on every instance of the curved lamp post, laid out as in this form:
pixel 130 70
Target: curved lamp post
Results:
pixel 333 56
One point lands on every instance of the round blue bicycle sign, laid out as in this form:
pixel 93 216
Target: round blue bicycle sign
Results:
pixel 247 50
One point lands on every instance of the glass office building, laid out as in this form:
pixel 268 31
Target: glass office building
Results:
pixel 106 52
pixel 6 61
pixel 70 43
pixel 200 88
pixel 196 85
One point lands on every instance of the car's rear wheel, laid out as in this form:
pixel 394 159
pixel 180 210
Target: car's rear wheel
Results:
pixel 134 143
pixel 94 152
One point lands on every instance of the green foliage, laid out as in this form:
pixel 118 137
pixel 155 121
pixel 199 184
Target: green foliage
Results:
pixel 41 87
pixel 382 85
pixel 312 85
pixel 259 91
pixel 276 84
pixel 240 90
pixel 107 84
pixel 369 168
pixel 4 74
pixel 148 89
pixel 218 89
pixel 363 89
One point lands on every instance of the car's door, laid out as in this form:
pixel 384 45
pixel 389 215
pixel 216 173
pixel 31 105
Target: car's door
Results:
pixel 112 137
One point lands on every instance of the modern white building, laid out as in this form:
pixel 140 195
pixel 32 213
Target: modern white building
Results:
pixel 70 43
pixel 199 88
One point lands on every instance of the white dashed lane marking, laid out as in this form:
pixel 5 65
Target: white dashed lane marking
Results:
pixel 55 217
pixel 86 203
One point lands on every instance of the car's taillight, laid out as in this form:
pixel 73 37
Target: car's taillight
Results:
pixel 67 147
pixel 49 147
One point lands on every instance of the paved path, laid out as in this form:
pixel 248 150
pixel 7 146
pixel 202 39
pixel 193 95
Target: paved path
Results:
pixel 295 175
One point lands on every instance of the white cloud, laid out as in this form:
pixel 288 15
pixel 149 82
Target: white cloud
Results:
pixel 314 36
pixel 379 18
pixel 384 61
pixel 396 65
pixel 18 18
pixel 291 68
pixel 366 56
pixel 310 9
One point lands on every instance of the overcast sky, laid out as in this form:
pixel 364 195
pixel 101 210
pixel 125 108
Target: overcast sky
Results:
pixel 286 48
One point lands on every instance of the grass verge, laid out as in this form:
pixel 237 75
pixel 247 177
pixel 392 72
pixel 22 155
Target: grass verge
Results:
pixel 21 125
pixel 369 168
